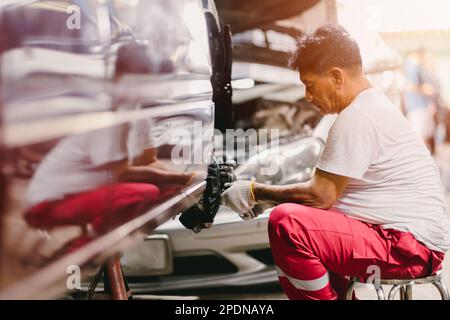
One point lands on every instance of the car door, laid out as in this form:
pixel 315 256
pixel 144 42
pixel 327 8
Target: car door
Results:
pixel 88 89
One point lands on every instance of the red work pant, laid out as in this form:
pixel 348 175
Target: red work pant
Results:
pixel 104 208
pixel 314 250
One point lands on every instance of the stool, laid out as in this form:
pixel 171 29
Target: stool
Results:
pixel 404 285
pixel 115 284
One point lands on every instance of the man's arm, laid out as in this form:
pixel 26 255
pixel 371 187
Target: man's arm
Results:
pixel 124 172
pixel 320 192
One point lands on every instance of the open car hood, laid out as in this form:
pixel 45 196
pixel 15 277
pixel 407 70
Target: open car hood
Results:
pixel 265 31
pixel 243 15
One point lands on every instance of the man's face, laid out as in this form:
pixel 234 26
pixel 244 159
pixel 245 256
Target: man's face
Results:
pixel 322 91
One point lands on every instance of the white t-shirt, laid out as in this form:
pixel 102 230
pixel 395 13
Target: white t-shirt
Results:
pixel 393 180
pixel 74 165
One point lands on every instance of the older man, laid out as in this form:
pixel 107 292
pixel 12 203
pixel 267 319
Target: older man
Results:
pixel 375 200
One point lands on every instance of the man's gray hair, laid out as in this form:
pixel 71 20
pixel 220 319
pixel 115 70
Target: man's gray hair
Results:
pixel 328 46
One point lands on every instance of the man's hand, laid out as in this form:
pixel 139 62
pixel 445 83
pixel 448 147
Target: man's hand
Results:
pixel 258 209
pixel 239 197
pixel 196 177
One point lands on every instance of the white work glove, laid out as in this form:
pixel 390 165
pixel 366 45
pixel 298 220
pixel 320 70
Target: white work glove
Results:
pixel 239 198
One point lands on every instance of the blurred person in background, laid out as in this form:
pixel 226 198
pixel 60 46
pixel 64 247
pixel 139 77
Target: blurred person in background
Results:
pixel 421 99
pixel 437 102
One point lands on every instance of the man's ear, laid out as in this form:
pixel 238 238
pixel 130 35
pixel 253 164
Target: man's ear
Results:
pixel 337 75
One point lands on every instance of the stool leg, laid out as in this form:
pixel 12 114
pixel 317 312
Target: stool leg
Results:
pixel 350 289
pixel 402 293
pixel 380 293
pixel 408 292
pixel 94 283
pixel 442 289
pixel 116 279
pixel 393 292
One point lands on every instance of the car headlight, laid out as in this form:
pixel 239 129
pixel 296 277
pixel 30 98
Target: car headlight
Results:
pixel 289 163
